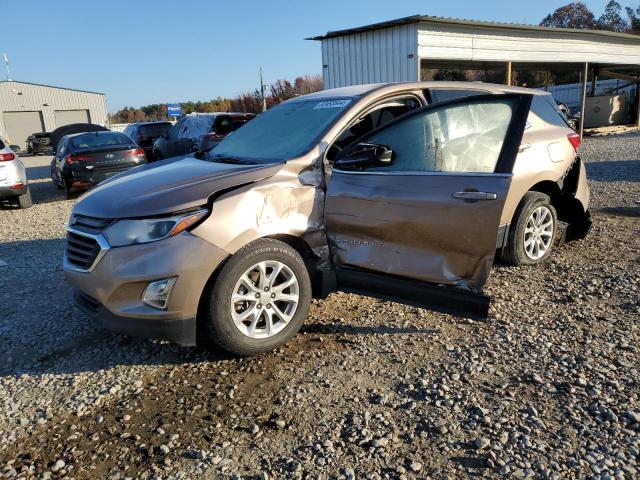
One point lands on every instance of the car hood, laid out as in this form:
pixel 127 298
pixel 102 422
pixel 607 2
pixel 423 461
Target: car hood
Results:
pixel 167 186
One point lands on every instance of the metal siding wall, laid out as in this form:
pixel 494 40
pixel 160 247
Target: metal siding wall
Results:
pixel 34 97
pixel 451 42
pixel 371 57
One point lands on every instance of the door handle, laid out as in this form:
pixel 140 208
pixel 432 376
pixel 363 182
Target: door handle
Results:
pixel 475 195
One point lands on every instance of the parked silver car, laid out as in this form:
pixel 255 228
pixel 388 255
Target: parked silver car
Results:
pixel 13 177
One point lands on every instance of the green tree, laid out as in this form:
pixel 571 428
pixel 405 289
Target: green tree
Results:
pixel 573 15
pixel 612 19
pixel 634 20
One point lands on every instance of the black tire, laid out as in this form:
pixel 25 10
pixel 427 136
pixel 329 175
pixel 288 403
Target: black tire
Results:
pixel 55 180
pixel 157 156
pixel 216 324
pixel 68 194
pixel 514 253
pixel 24 200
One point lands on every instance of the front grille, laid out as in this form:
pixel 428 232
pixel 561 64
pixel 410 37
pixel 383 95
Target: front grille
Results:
pixel 81 251
pixel 90 224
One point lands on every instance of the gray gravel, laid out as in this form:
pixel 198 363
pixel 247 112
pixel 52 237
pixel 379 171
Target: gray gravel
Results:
pixel 547 387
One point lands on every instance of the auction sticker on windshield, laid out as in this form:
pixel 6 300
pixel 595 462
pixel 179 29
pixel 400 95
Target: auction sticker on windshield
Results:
pixel 332 104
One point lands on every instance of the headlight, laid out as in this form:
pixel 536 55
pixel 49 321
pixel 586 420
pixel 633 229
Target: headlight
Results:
pixel 132 232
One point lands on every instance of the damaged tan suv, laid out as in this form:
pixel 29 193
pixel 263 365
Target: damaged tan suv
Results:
pixel 401 191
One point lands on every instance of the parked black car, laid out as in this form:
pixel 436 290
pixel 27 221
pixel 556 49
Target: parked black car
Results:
pixel 83 160
pixel 144 134
pixel 198 132
pixel 38 143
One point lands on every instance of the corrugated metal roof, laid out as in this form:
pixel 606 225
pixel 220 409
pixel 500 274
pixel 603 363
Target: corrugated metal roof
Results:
pixel 470 23
pixel 51 86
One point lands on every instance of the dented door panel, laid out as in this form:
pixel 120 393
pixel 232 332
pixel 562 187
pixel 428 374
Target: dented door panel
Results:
pixel 412 226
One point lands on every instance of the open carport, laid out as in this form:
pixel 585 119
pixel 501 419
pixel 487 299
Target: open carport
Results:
pixel 408 49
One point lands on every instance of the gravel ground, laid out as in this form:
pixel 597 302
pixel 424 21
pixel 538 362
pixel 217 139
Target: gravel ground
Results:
pixel 547 387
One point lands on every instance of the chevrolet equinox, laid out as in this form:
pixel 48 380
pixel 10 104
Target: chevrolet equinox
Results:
pixel 401 191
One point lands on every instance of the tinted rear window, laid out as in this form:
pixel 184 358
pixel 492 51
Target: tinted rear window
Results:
pixel 156 129
pixel 545 107
pixel 91 140
pixel 1 144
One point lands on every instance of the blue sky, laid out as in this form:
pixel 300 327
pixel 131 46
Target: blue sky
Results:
pixel 143 51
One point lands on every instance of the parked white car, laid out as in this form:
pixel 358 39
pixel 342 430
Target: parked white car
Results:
pixel 13 177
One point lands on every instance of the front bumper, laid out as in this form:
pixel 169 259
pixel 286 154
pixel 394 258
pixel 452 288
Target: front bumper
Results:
pixel 178 330
pixel 112 291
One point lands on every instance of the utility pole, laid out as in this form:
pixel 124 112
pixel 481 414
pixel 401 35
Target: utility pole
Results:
pixel 6 64
pixel 264 99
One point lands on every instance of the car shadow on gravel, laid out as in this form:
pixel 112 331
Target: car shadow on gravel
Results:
pixel 614 171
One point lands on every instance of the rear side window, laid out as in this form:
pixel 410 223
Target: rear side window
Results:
pixel 444 94
pixel 545 108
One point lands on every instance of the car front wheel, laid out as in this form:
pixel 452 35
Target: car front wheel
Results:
pixel 533 231
pixel 259 300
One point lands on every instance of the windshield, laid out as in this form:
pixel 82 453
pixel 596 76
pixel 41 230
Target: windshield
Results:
pixel 285 131
pixel 91 140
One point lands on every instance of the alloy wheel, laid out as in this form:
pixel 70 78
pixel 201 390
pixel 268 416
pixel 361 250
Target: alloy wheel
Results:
pixel 265 299
pixel 538 233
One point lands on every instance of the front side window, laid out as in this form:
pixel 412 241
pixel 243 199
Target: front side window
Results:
pixel 283 132
pixel 466 137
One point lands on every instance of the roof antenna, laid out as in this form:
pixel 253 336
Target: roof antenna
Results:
pixel 6 64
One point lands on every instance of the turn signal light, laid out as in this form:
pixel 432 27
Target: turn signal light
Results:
pixel 574 140
pixel 7 157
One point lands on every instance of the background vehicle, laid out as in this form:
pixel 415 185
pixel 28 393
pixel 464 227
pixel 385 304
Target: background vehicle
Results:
pixel 13 177
pixel 38 144
pixel 382 190
pixel 60 132
pixel 572 115
pixel 86 159
pixel 198 132
pixel 144 134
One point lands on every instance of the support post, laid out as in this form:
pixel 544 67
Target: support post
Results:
pixel 583 107
pixel 594 81
pixel 509 73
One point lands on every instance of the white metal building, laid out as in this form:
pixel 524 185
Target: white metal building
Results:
pixel 403 49
pixel 27 108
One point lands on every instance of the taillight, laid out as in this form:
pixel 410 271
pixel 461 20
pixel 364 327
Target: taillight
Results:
pixel 574 140
pixel 136 151
pixel 71 159
pixel 7 157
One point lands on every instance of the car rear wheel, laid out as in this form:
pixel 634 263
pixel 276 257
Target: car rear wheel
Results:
pixel 157 156
pixel 24 200
pixel 533 231
pixel 259 300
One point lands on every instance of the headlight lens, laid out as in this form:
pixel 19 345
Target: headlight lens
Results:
pixel 133 232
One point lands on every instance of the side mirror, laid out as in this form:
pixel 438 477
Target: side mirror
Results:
pixel 15 148
pixel 363 156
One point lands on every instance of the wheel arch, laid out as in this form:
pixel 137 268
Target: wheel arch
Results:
pixel 568 208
